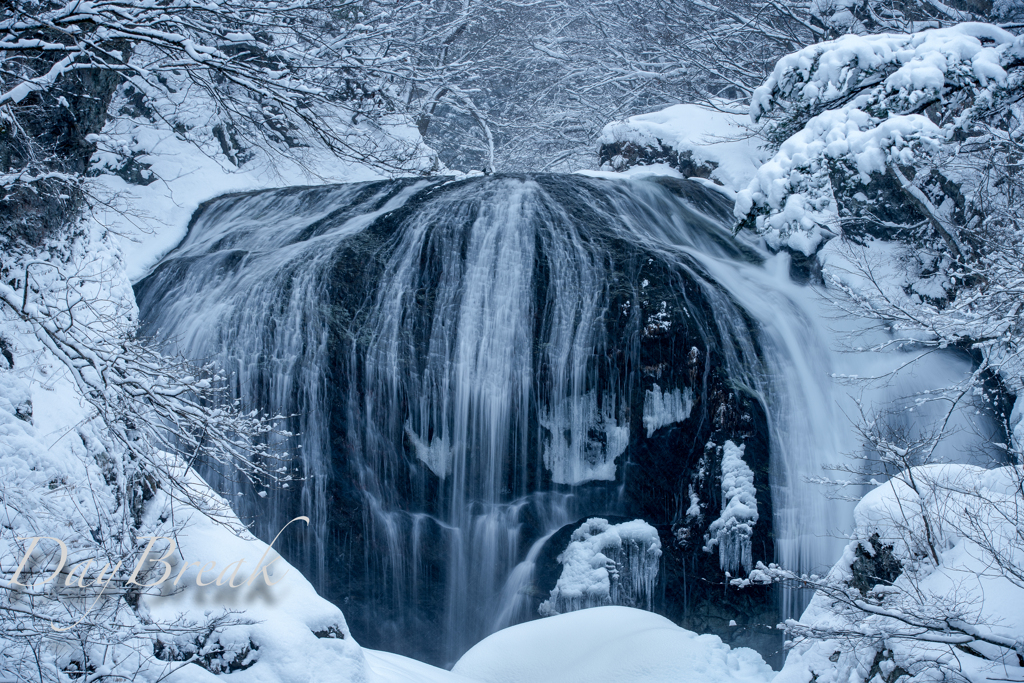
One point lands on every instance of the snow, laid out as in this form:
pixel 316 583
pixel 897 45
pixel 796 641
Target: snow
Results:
pixel 608 644
pixel 1016 424
pixel 152 219
pixel 56 458
pixel 51 451
pixel 820 73
pixel 606 564
pixel 387 667
pixel 286 614
pixel 190 165
pixel 664 408
pixel 709 135
pixel 966 583
pixel 634 172
pixel 876 83
pixel 733 529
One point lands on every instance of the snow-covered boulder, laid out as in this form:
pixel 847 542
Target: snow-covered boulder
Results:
pixel 606 564
pixel 693 140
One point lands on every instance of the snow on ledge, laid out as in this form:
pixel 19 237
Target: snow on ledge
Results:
pixel 709 135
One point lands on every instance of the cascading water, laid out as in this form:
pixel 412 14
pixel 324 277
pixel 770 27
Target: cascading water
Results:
pixel 473 365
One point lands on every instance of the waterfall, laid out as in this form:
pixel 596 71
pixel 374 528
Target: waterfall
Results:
pixel 470 366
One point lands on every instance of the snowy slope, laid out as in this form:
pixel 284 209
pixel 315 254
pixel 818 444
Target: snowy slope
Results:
pixel 974 519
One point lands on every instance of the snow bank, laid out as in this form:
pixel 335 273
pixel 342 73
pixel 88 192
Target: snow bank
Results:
pixel 733 529
pixel 710 136
pixel 966 589
pixel 294 634
pixel 820 73
pixel 608 644
pixel 634 172
pixel 606 564
pixel 387 667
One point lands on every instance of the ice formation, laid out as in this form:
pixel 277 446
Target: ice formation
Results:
pixel 732 531
pixel 575 460
pixel 665 408
pixel 606 564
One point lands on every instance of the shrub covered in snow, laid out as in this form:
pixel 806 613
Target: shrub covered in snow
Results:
pixel 931 586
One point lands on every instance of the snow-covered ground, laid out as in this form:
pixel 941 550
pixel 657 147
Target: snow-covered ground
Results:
pixel 608 644
pixel 922 624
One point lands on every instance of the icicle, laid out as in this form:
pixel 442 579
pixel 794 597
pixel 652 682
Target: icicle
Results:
pixel 606 564
pixel 732 531
pixel 665 408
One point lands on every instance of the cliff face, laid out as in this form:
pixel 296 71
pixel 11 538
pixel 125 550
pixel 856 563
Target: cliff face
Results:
pixel 46 134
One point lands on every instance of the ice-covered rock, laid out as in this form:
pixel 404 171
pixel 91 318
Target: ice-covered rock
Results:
pixel 732 531
pixel 606 564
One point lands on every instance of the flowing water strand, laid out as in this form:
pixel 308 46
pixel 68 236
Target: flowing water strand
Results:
pixel 244 289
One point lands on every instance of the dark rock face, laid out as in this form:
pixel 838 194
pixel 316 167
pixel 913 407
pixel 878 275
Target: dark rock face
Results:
pixel 50 135
pixel 874 565
pixel 424 524
pixel 692 589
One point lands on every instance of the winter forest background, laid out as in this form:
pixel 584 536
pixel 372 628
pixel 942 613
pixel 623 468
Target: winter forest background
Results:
pixel 763 262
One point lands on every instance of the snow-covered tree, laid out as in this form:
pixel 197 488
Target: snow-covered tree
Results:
pixel 912 138
pixel 896 161
pixel 143 421
pixel 893 113
pixel 271 76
